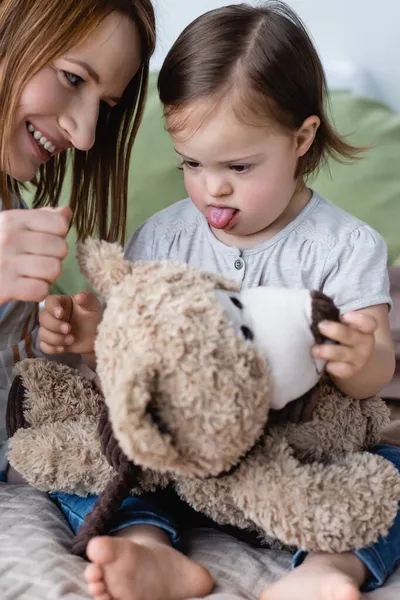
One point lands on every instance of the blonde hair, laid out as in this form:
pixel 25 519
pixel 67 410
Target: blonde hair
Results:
pixel 32 34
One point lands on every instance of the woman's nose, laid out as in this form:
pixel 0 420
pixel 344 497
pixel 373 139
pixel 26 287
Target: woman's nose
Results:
pixel 79 124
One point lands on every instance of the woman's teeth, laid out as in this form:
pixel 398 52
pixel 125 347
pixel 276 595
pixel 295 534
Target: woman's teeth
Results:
pixel 41 139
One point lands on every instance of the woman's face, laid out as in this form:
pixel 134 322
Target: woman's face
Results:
pixel 59 106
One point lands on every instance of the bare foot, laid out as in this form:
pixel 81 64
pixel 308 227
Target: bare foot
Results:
pixel 124 568
pixel 321 577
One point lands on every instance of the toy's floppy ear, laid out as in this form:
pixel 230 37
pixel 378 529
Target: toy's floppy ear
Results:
pixel 136 416
pixel 134 424
pixel 102 264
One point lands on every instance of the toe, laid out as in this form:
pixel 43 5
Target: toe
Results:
pixel 102 550
pixel 266 595
pixel 347 591
pixel 97 589
pixel 93 574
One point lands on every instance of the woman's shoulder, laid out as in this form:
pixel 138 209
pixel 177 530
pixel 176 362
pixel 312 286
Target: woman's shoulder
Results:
pixel 15 202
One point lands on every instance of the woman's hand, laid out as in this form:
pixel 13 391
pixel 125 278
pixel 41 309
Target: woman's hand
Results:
pixel 32 248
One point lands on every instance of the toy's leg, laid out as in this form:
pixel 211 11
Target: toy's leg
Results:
pixel 383 557
pixel 50 392
pixel 61 456
pixel 214 498
pixel 380 559
pixel 331 508
pixel 323 576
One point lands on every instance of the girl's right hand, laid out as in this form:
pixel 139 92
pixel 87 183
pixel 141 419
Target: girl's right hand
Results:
pixel 32 248
pixel 69 323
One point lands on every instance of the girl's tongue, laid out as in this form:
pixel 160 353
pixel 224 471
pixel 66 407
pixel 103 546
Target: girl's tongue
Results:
pixel 219 218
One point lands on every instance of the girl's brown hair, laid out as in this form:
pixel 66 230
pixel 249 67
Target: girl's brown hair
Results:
pixel 262 56
pixel 32 34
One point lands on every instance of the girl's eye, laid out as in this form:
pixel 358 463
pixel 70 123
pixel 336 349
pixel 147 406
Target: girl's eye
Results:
pixel 190 164
pixel 72 79
pixel 240 168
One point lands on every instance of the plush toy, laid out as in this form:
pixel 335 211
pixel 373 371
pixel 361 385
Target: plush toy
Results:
pixel 190 368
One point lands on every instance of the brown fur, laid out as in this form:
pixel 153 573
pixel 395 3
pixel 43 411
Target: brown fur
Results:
pixel 187 398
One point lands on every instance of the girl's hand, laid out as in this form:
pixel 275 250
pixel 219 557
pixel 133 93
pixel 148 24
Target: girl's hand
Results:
pixel 69 323
pixel 355 344
pixel 32 248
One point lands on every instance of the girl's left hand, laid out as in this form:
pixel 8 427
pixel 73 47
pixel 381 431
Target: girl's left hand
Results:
pixel 355 344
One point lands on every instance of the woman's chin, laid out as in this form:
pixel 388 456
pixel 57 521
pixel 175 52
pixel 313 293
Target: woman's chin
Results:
pixel 22 174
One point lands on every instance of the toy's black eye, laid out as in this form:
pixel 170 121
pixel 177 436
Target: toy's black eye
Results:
pixel 248 334
pixel 236 302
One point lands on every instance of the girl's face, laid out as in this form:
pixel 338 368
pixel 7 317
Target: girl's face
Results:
pixel 241 177
pixel 59 106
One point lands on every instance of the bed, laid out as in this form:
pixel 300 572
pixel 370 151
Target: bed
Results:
pixel 36 564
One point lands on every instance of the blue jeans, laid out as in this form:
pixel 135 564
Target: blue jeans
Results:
pixel 134 510
pixel 383 557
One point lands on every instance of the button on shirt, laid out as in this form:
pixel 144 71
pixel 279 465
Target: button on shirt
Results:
pixel 239 264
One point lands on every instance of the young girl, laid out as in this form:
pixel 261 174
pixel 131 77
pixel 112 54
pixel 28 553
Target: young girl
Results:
pixel 244 96
pixel 73 82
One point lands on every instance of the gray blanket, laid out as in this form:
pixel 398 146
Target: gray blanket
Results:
pixel 35 562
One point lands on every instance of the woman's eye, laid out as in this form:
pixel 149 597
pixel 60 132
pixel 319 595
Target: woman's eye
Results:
pixel 240 168
pixel 72 79
pixel 191 164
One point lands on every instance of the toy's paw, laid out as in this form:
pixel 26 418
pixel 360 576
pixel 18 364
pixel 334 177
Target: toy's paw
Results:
pixel 339 426
pixel 46 392
pixel 61 457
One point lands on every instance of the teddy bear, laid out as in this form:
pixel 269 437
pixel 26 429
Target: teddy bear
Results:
pixel 193 373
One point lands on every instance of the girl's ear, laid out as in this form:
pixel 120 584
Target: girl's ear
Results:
pixel 102 264
pixel 306 134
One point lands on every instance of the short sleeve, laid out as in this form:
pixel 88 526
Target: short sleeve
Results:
pixel 140 244
pixel 355 274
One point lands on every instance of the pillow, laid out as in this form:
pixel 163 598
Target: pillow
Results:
pixel 370 188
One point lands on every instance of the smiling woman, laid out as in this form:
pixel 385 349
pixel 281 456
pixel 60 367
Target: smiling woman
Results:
pixel 73 79
pixel 60 105
pixel 63 67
